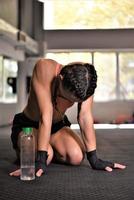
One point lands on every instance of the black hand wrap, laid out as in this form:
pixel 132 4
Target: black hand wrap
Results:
pixel 41 160
pixel 98 163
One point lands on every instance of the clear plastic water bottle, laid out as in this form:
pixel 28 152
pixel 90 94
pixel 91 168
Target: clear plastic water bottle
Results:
pixel 27 155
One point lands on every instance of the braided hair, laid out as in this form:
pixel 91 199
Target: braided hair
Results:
pixel 79 79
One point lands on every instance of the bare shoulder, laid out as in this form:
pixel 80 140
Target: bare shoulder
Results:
pixel 46 60
pixel 44 69
pixel 86 106
pixel 85 109
pixel 45 64
pixel 88 101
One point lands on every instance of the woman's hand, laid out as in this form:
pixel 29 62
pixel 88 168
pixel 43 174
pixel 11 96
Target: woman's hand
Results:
pixel 18 173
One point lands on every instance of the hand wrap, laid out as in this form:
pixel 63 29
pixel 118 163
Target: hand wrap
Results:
pixel 98 163
pixel 41 160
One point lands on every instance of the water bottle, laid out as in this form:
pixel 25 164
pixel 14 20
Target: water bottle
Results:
pixel 27 155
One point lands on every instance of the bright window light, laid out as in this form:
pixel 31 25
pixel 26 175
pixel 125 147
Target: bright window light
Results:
pixel 106 126
pixel 88 14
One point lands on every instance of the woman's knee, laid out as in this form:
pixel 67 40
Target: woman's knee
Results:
pixel 75 157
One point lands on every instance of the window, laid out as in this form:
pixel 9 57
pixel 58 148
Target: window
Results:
pixel 8 68
pixel 1 72
pixel 105 64
pixel 67 57
pixel 115 72
pixel 126 72
pixel 88 14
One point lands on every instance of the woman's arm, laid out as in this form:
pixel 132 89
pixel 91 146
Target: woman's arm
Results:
pixel 85 120
pixel 42 78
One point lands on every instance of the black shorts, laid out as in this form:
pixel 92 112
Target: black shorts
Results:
pixel 21 120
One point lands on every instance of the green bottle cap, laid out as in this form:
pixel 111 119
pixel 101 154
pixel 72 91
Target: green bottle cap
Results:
pixel 27 130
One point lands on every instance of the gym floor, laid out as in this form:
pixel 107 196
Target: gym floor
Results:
pixel 74 182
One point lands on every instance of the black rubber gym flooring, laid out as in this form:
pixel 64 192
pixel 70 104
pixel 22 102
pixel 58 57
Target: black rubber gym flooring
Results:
pixel 71 182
